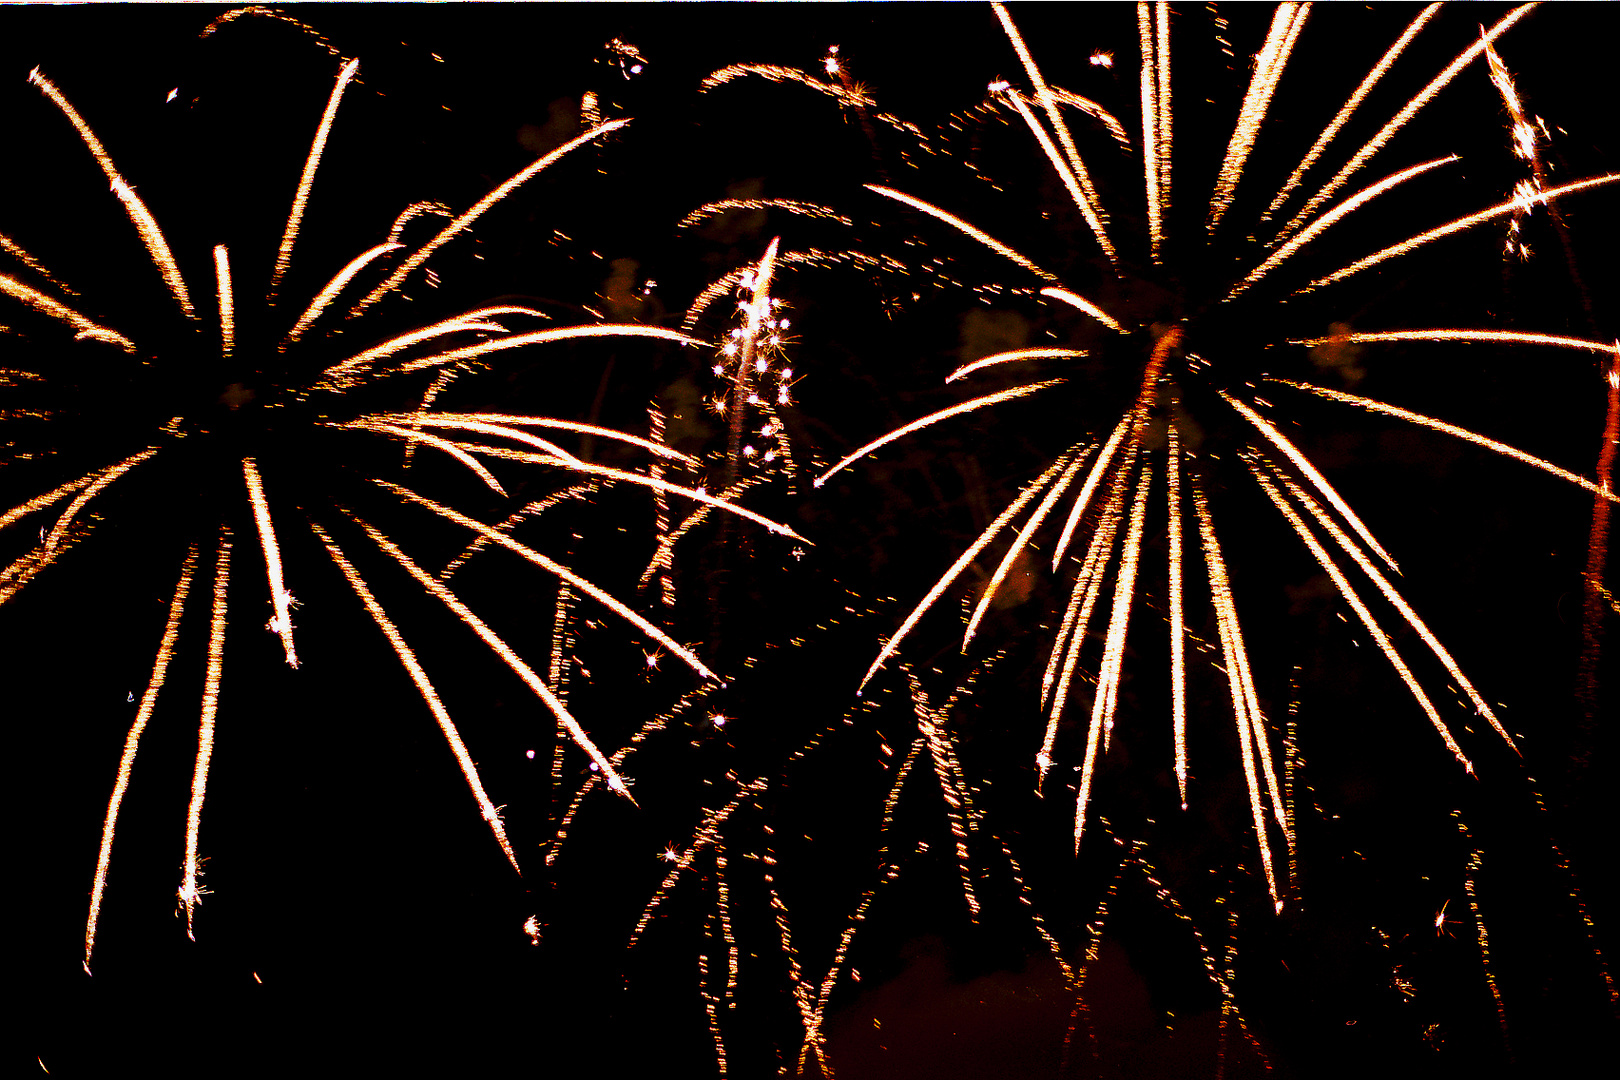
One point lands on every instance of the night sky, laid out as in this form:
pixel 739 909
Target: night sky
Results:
pixel 360 918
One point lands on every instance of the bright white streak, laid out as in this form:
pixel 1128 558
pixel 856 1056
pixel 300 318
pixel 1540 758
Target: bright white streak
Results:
pixel 99 483
pixel 190 894
pixel 1356 201
pixel 280 598
pixel 307 179
pixel 437 443
pixel 421 255
pixel 324 298
pixel 447 726
pixel 1077 301
pixel 430 419
pixel 541 337
pixel 1178 627
pixel 498 430
pixel 132 742
pixel 50 498
pixel 962 562
pixel 1281 442
pixel 82 326
pixel 1011 356
pixel 1152 115
pixel 139 215
pixel 1286 24
pixel 467 320
pixel 1083 196
pixel 933 418
pixel 963 227
pixel 227 305
pixel 1495 337
pixel 1093 478
pixel 595 592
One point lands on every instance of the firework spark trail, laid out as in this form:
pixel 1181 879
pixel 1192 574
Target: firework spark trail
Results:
pixel 1156 119
pixel 1450 429
pixel 1286 24
pixel 1413 105
pixel 1398 602
pixel 501 649
pixel 132 742
pixel 933 418
pixel 791 206
pixel 424 687
pixel 665 552
pixel 1250 728
pixel 1318 481
pixel 755 311
pixel 961 564
pixel 47 550
pixel 1107 698
pixel 1415 242
pixel 540 337
pixel 550 450
pixel 1496 337
pixel 1083 500
pixel 190 895
pixel 1069 166
pixel 413 437
pixel 227 304
pixel 666 584
pixel 1053 494
pixel 1178 626
pixel 929 723
pixel 16 251
pixel 707 835
pixel 1347 590
pixel 970 231
pixel 139 215
pixel 295 217
pixel 422 254
pixel 1315 228
pixel 347 372
pixel 1331 132
pixel 1014 356
pixel 558 569
pixel 1597 554
pixel 45 305
pixel 1074 300
pixel 50 498
pixel 279 596
pixel 324 298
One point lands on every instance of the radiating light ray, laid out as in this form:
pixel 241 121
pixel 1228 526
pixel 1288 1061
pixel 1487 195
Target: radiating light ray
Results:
pixel 1053 494
pixel 98 483
pixel 422 254
pixel 1331 132
pixel 934 418
pixel 1450 429
pixel 324 298
pixel 1315 228
pixel 139 215
pixel 1093 478
pixel 424 687
pixel 132 742
pixel 561 571
pixel 50 498
pixel 1154 114
pixel 1014 356
pixel 1075 300
pixel 791 206
pixel 547 448
pixel 541 337
pixel 45 305
pixel 1399 603
pixel 1286 24
pixel 468 321
pixel 1413 105
pixel 16 251
pixel 1496 337
pixel 1164 125
pixel 306 180
pixel 190 894
pixel 279 596
pixel 1103 705
pixel 1096 112
pixel 1250 728
pixel 413 436
pixel 961 564
pixel 1347 590
pixel 500 648
pixel 970 231
pixel 1281 442
pixel 1178 626
pixel 227 305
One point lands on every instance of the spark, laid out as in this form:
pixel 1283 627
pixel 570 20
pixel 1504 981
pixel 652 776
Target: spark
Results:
pixel 84 329
pixel 1286 24
pixel 1077 301
pixel 227 305
pixel 190 894
pixel 280 598
pixel 301 199
pixel 970 231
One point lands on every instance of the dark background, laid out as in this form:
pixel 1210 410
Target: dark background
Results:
pixel 362 919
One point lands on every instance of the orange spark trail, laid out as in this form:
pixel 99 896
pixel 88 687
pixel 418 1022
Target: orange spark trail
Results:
pixel 1178 628
pixel 1081 193
pixel 126 763
pixel 335 376
pixel 1498 337
pixel 1156 119
pixel 1077 301
pixel 82 326
pixel 139 215
pixel 280 598
pixel 1250 727
pixel 933 418
pixel 301 199
pixel 1422 98
pixel 437 443
pixel 16 251
pixel 1103 705
pixel 1285 27
pixel 1453 430
pixel 451 420
pixel 1346 590
pixel 1098 468
pixel 500 648
pixel 46 552
pixel 1282 443
pixel 1330 132
pixel 40 502
pixel 397 278
pixel 963 227
pixel 1011 356
pixel 1359 199
pixel 540 337
pixel 324 298
pixel 190 894
pixel 550 449
pixel 891 646
pixel 469 770
pixel 595 592
pixel 227 305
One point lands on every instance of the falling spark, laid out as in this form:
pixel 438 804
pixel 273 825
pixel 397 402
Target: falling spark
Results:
pixel 279 596
pixel 1285 27
pixel 83 327
pixel 1014 356
pixel 190 894
pixel 227 305
pixel 963 227
pixel 1178 626
pixel 301 199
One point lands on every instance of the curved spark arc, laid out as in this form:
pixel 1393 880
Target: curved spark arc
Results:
pixel 1494 337
pixel 344 373
pixel 1083 501
pixel 970 231
pixel 1154 37
pixel 50 498
pixel 46 305
pixel 98 482
pixel 1077 301
pixel 430 696
pixel 151 235
pixel 446 419
pixel 1013 356
pixel 539 337
pixel 437 443
pixel 306 180
pixel 190 894
pixel 132 741
pixel 340 280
